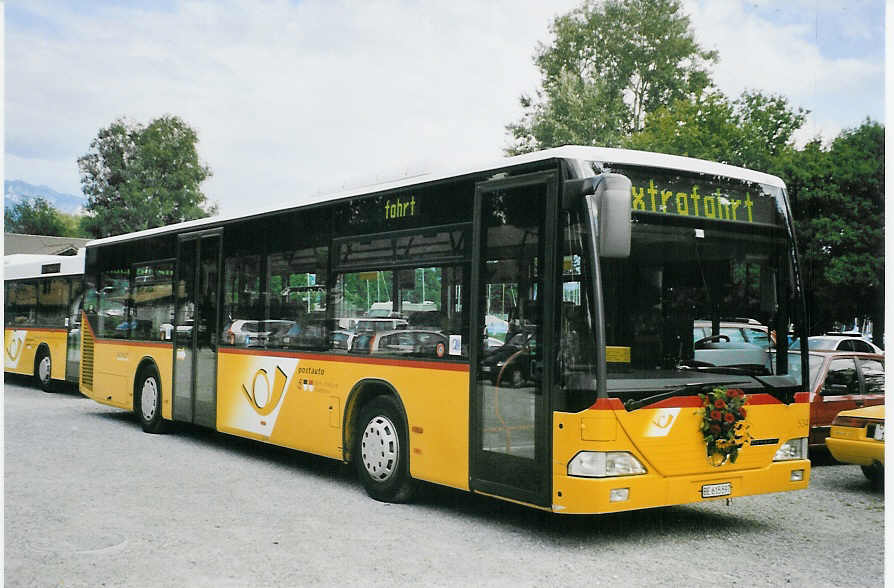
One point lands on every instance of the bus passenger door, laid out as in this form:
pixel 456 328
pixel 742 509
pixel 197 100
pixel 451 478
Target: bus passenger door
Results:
pixel 195 328
pixel 73 325
pixel 510 417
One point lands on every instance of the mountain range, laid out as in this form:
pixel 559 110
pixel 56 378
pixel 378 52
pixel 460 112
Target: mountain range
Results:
pixel 16 191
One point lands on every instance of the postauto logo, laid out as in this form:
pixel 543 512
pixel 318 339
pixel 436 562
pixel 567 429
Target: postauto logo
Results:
pixel 263 394
pixel 14 348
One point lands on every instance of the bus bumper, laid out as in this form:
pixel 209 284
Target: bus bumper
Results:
pixel 575 495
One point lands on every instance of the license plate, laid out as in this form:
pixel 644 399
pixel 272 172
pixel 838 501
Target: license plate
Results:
pixel 715 490
pixel 879 434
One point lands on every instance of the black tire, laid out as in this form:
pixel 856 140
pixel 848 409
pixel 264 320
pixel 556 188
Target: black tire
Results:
pixel 875 474
pixel 148 387
pixel 43 368
pixel 381 451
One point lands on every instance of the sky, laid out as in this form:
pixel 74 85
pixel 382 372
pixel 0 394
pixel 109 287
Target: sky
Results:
pixel 293 99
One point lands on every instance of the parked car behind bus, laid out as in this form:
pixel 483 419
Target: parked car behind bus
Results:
pixel 858 436
pixel 840 380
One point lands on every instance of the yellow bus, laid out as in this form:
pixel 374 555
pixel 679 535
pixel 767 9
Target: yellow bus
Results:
pixel 41 335
pixel 539 340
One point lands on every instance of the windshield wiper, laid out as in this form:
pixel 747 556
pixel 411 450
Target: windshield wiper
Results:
pixel 685 390
pixel 728 369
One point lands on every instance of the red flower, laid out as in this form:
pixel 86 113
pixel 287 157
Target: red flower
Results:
pixel 731 393
pixel 716 415
pixel 728 417
pixel 742 412
pixel 719 403
pixel 715 429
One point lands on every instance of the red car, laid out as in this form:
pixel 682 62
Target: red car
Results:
pixel 841 380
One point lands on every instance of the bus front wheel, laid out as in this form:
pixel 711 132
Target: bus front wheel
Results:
pixel 43 367
pixel 381 455
pixel 147 400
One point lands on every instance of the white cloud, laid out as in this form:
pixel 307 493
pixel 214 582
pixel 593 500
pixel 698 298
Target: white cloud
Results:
pixel 758 54
pixel 288 99
pixel 293 98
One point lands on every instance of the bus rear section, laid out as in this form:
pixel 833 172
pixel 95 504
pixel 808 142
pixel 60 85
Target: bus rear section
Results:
pixel 41 305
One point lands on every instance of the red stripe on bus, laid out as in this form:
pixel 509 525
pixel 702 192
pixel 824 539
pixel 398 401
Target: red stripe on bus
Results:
pixel 694 401
pixel 608 404
pixel 678 402
pixel 433 365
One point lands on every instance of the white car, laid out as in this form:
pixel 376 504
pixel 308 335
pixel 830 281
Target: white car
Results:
pixel 739 331
pixel 840 343
pixel 247 333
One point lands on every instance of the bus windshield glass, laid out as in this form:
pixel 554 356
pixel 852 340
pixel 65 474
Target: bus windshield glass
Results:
pixel 708 290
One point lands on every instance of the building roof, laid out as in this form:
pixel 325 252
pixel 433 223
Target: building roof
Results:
pixel 14 243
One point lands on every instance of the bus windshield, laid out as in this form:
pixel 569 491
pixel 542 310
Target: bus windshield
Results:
pixel 703 295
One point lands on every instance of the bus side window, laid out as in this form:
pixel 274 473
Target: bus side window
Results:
pixel 53 294
pixel 243 306
pixel 24 300
pixel 153 302
pixel 8 305
pixel 841 379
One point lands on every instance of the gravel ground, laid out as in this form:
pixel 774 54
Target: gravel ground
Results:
pixel 90 500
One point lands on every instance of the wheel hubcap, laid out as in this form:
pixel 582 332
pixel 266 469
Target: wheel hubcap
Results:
pixel 43 369
pixel 379 448
pixel 149 398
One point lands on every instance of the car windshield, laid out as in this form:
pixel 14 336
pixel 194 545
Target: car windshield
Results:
pixel 794 362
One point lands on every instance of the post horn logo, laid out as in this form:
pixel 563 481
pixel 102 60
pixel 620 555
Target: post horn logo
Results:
pixel 263 397
pixel 14 348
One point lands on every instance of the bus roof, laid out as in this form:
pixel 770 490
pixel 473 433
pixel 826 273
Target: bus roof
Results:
pixel 570 152
pixel 28 265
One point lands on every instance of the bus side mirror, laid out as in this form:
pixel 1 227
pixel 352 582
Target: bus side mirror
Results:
pixel 613 199
pixel 607 198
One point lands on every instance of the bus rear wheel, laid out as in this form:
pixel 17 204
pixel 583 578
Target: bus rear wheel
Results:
pixel 147 400
pixel 43 368
pixel 381 453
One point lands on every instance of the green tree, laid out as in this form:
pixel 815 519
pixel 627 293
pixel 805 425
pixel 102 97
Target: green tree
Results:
pixel 35 217
pixel 609 65
pixel 751 131
pixel 75 225
pixel 139 177
pixel 838 203
pixel 768 125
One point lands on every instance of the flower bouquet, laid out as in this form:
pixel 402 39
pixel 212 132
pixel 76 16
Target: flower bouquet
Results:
pixel 723 424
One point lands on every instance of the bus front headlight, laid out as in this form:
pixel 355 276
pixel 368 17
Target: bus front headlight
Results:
pixel 604 464
pixel 792 449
